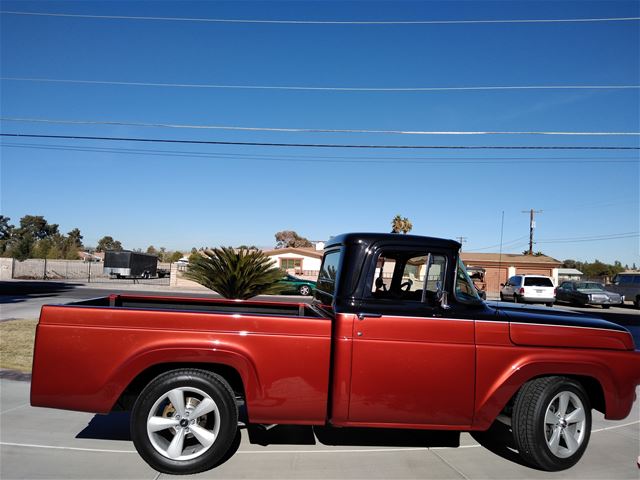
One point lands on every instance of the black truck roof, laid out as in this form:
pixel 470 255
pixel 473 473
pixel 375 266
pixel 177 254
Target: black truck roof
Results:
pixel 409 240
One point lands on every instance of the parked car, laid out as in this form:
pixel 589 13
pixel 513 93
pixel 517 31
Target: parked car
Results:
pixel 587 293
pixel 295 285
pixel 411 356
pixel 529 289
pixel 627 284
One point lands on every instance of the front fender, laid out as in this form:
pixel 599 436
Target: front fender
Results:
pixel 502 371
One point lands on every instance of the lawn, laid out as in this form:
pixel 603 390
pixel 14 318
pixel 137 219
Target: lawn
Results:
pixel 16 344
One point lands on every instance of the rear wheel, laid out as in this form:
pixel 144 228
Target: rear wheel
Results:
pixel 549 304
pixel 551 422
pixel 605 306
pixel 516 299
pixel 501 297
pixel 184 421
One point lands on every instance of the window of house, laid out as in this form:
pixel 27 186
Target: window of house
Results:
pixel 291 263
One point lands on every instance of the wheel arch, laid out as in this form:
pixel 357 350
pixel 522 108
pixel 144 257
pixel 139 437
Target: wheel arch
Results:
pixel 128 397
pixel 598 385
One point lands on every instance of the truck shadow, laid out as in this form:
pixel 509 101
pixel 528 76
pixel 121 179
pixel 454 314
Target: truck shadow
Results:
pixel 115 426
pixel 364 437
pixel 499 441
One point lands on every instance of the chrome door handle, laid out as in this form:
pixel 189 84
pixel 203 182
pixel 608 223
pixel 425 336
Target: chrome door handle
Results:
pixel 362 316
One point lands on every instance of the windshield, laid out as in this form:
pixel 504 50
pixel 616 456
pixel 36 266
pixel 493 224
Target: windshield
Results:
pixel 465 290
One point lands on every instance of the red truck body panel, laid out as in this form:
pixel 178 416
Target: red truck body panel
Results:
pixel 388 371
pixel 85 357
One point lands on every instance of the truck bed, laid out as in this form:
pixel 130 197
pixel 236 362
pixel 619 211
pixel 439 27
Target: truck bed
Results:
pixel 87 353
pixel 195 304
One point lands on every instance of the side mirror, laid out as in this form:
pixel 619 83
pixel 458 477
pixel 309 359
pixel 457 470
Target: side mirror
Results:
pixel 502 284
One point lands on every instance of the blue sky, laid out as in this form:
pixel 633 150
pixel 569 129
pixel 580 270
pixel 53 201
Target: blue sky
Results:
pixel 185 195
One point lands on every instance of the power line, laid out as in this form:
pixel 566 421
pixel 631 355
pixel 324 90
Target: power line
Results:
pixel 322 145
pixel 326 158
pixel 324 22
pixel 305 130
pixel 591 238
pixel 324 88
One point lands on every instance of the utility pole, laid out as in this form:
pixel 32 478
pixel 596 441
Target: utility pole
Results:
pixel 462 240
pixel 532 226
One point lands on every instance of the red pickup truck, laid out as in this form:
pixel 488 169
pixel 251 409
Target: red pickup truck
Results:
pixel 396 337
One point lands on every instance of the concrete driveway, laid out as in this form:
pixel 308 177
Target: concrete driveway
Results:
pixel 44 443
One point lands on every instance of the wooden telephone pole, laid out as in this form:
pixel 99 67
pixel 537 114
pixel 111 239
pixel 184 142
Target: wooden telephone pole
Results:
pixel 532 226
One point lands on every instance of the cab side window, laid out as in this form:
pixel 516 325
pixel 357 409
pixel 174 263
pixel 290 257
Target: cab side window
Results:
pixel 408 276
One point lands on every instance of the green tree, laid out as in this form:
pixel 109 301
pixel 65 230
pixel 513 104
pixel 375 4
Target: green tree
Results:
pixel 108 243
pixel 151 250
pixel 401 224
pixel 289 238
pixel 6 231
pixel 235 273
pixel 75 238
pixel 175 256
pixel 33 228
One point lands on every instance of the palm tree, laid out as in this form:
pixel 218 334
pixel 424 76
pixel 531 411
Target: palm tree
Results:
pixel 400 224
pixel 241 273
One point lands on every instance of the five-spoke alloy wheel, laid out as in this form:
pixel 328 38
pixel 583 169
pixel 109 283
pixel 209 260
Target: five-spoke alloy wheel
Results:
pixel 551 422
pixel 184 421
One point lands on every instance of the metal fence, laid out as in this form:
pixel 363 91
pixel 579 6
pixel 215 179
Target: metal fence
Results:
pixel 91 272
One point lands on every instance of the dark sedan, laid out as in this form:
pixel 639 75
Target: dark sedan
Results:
pixel 587 293
pixel 295 285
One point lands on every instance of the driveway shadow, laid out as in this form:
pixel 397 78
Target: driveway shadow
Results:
pixel 364 437
pixel 115 426
pixel 499 440
pixel 20 291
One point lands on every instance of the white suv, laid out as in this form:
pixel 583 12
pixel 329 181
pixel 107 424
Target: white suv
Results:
pixel 529 289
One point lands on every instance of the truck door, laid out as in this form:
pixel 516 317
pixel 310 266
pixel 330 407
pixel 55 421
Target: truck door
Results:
pixel 410 363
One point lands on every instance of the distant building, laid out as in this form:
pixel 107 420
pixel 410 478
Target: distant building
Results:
pixel 565 274
pixel 499 267
pixel 298 261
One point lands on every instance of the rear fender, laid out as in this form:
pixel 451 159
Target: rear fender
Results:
pixel 188 353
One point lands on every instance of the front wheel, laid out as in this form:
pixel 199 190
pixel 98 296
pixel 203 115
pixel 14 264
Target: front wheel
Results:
pixel 304 290
pixel 184 421
pixel 551 422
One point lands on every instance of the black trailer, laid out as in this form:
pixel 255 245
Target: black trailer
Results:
pixel 127 264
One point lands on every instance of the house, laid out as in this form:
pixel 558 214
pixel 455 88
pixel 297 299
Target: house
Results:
pixel 565 274
pixel 300 261
pixel 499 267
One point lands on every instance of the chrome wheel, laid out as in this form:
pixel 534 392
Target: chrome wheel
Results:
pixel 183 423
pixel 564 424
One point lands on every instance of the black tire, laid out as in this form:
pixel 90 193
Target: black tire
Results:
pixel 501 297
pixel 636 302
pixel 549 304
pixel 304 290
pixel 154 447
pixel 533 434
pixel 516 299
pixel 606 306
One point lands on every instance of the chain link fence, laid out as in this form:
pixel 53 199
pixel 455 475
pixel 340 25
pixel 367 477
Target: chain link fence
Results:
pixel 79 270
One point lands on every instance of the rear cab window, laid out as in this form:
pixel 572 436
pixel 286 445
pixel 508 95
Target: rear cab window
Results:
pixel 537 282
